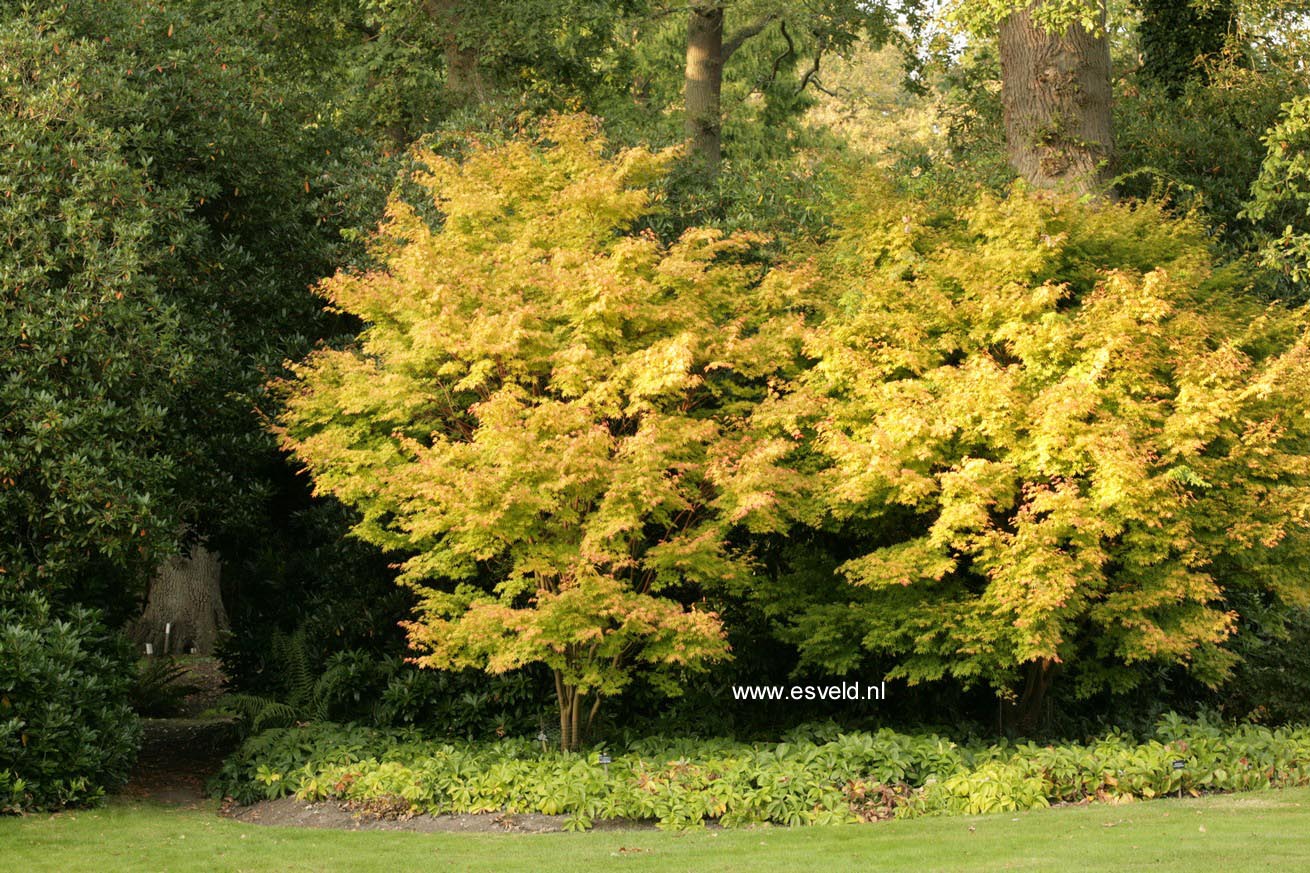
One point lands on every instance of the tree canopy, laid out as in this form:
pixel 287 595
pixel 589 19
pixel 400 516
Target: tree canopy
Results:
pixel 548 404
pixel 1062 436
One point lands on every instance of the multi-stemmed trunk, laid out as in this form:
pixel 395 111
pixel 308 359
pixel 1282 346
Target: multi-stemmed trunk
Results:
pixel 1057 101
pixel 1023 715
pixel 575 717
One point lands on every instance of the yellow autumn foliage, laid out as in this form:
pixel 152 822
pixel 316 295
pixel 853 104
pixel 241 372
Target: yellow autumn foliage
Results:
pixel 544 414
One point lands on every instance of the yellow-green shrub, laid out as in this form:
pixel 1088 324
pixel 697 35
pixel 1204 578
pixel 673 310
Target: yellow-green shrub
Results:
pixel 807 780
pixel 1056 437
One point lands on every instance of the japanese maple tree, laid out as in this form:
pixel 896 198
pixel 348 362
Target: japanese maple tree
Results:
pixel 1059 437
pixel 545 414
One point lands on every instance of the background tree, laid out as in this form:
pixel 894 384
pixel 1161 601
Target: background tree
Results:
pixel 403 70
pixel 246 202
pixel 1055 80
pixel 714 36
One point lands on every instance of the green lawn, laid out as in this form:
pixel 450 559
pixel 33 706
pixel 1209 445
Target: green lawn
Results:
pixel 1259 831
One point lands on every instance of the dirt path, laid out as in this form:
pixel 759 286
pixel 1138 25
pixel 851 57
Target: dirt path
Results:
pixel 178 755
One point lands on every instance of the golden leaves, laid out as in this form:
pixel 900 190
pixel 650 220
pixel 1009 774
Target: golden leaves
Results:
pixel 1081 418
pixel 552 409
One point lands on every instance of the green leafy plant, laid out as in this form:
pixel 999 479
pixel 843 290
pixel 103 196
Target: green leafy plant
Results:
pixel 67 730
pixel 1280 195
pixel 813 777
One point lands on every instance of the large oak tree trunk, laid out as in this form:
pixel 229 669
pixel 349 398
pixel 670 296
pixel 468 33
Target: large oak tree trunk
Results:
pixel 464 85
pixel 1056 94
pixel 185 598
pixel 704 82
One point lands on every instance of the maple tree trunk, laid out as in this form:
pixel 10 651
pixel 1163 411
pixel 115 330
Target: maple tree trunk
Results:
pixel 184 606
pixel 703 86
pixel 570 715
pixel 1057 101
pixel 1024 716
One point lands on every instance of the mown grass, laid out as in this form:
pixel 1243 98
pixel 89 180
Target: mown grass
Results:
pixel 1267 830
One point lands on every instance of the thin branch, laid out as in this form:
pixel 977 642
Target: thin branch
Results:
pixel 811 77
pixel 777 62
pixel 818 86
pixel 753 29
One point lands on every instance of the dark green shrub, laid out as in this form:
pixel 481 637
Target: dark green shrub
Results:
pixel 1271 685
pixel 67 730
pixel 93 348
pixel 363 687
pixel 165 204
pixel 1206 148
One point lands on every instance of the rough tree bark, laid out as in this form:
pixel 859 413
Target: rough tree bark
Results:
pixel 185 594
pixel 1057 101
pixel 707 53
pixel 464 84
pixel 704 82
